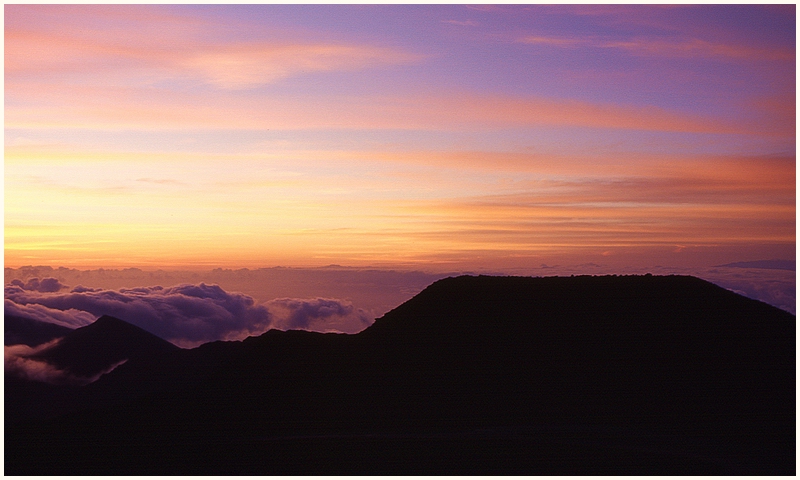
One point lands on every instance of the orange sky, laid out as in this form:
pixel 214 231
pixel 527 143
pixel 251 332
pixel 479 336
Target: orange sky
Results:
pixel 398 136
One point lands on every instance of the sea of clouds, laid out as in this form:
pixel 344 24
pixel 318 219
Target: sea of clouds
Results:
pixel 185 314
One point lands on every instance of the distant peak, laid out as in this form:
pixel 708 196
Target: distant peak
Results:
pixel 108 319
pixel 112 327
pixel 775 264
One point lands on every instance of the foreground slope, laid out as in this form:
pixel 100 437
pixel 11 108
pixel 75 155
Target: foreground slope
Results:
pixel 77 357
pixel 475 375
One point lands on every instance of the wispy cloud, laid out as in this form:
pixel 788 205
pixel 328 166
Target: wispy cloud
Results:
pixel 486 8
pixel 701 201
pixel 142 134
pixel 160 181
pixel 19 361
pixel 242 66
pixel 553 41
pixel 138 52
pixel 462 23
pixel 120 108
pixel 684 48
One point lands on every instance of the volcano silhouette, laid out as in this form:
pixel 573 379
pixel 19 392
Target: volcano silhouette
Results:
pixel 108 341
pixel 475 375
pixel 27 331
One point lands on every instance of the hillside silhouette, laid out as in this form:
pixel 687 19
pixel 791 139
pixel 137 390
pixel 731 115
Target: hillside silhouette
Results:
pixel 27 331
pixel 584 375
pixel 95 348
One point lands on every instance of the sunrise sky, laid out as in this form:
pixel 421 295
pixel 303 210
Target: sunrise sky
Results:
pixel 449 137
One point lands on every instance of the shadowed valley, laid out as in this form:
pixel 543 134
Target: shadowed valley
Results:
pixel 475 375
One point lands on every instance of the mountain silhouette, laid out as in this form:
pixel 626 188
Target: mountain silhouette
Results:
pixel 475 375
pixel 95 348
pixel 768 264
pixel 31 332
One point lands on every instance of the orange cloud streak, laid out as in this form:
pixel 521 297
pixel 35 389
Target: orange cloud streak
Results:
pixel 151 108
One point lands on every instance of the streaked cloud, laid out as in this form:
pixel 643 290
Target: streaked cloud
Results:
pixel 242 66
pixel 462 23
pixel 235 136
pixel 553 41
pixel 485 8
pixel 134 51
pixel 122 108
pixel 18 361
pixel 655 48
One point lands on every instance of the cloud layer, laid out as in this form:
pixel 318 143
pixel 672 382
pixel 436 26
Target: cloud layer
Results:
pixel 48 284
pixel 186 314
pixel 318 314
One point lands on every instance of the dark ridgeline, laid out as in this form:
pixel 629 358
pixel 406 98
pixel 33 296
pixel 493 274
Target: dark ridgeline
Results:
pixel 90 350
pixel 27 331
pixel 475 375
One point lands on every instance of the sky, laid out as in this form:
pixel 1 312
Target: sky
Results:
pixel 415 136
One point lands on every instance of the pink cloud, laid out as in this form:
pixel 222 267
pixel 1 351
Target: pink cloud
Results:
pixel 462 23
pixel 685 48
pixel 140 49
pixel 154 46
pixel 125 107
pixel 242 66
pixel 552 41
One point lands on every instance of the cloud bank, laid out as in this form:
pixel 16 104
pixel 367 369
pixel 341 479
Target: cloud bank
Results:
pixel 186 314
pixel 319 315
pixel 48 284
pixel 70 318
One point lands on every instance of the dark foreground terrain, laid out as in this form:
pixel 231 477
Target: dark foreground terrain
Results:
pixel 475 375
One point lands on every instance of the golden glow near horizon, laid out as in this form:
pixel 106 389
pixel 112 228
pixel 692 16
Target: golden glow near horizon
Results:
pixel 261 135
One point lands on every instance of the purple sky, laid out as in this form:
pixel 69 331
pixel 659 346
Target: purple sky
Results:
pixel 395 138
